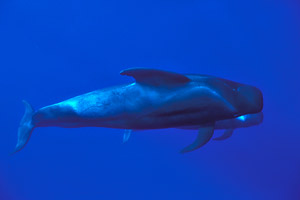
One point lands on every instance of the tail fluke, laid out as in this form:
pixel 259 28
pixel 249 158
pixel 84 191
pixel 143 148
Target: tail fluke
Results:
pixel 26 127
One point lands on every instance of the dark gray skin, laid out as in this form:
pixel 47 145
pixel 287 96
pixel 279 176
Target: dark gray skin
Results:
pixel 158 99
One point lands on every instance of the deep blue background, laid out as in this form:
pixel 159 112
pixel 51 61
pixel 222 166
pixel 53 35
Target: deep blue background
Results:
pixel 52 50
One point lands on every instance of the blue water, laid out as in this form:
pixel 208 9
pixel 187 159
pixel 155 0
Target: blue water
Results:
pixel 54 50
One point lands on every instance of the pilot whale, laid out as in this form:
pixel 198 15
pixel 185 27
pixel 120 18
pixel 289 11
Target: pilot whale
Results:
pixel 157 99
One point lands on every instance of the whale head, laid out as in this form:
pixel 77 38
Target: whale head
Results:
pixel 250 100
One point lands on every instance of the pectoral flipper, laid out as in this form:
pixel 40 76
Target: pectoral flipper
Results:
pixel 126 135
pixel 227 134
pixel 204 135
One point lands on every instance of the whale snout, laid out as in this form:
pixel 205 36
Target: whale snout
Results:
pixel 250 99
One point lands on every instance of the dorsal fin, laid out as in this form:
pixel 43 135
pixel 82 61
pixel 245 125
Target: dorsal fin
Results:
pixel 155 77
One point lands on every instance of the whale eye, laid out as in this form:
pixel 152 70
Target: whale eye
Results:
pixel 235 92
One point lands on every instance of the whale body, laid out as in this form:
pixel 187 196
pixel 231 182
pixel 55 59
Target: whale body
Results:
pixel 157 99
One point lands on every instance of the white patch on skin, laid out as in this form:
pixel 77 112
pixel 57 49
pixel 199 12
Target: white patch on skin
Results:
pixel 242 118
